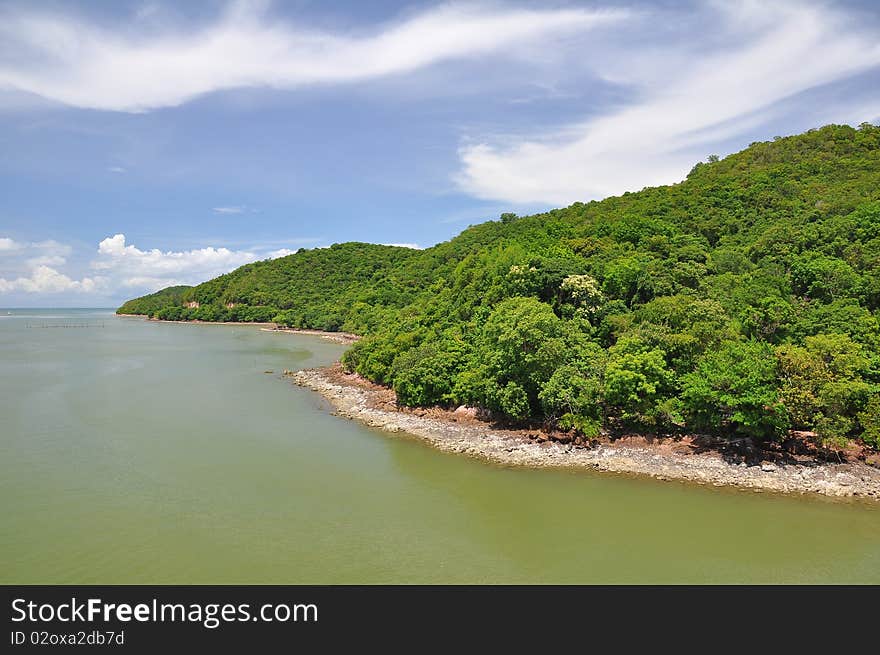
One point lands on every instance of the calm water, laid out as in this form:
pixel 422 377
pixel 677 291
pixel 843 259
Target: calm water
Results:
pixel 139 452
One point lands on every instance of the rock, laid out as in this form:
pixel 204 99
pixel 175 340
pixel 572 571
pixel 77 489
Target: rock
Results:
pixel 537 449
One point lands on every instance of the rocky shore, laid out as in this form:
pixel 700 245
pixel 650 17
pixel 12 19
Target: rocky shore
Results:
pixel 461 431
pixel 336 337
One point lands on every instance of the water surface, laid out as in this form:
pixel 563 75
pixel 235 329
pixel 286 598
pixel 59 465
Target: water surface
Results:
pixel 140 452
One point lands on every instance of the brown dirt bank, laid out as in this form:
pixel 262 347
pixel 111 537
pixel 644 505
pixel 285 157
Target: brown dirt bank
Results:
pixel 689 458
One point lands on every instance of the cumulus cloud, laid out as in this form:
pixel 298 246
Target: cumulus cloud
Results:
pixel 130 266
pixel 118 267
pixel 82 64
pixel 37 264
pixel 757 56
pixel 45 279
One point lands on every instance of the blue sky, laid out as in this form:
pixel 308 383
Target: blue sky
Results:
pixel 144 144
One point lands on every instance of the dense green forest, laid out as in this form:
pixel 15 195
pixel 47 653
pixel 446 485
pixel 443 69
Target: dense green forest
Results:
pixel 323 289
pixel 151 304
pixel 743 301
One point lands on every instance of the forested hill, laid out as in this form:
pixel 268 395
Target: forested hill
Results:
pixel 151 304
pixel 324 289
pixel 743 300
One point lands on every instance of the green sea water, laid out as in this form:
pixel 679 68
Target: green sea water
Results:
pixel 140 452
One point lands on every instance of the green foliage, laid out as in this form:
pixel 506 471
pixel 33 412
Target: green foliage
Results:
pixel 744 300
pixel 824 278
pixel 347 286
pixel 870 421
pixel 522 341
pixel 636 378
pixel 425 375
pixel 735 387
pixel 151 304
pixel 823 384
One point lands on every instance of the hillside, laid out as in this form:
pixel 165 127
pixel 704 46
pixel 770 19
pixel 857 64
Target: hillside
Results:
pixel 323 289
pixel 151 304
pixel 742 301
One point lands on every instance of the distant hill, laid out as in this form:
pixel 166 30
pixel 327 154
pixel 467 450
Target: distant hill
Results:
pixel 743 301
pixel 322 288
pixel 151 304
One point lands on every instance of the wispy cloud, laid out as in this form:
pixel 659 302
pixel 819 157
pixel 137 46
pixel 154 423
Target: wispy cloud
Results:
pixel 701 92
pixel 229 210
pixel 35 249
pixel 116 169
pixel 83 64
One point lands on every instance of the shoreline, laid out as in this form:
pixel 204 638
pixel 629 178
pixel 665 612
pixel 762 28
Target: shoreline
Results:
pixel 337 337
pixel 460 431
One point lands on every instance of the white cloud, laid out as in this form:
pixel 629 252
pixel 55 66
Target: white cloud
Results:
pixel 759 54
pixel 414 246
pixel 36 265
pixel 50 253
pixel 8 245
pixel 229 210
pixel 86 65
pixel 119 268
pixel 47 260
pixel 130 266
pixel 51 247
pixel 45 279
pixel 116 169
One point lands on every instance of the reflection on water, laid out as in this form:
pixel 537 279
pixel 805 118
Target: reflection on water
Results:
pixel 149 452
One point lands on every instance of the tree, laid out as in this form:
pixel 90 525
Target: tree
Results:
pixel 583 292
pixel 520 343
pixel 735 387
pixel 425 375
pixel 870 421
pixel 822 384
pixel 824 278
pixel 636 377
pixel 574 396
